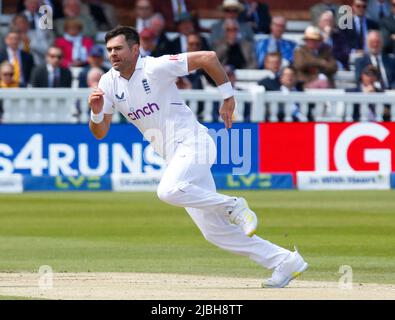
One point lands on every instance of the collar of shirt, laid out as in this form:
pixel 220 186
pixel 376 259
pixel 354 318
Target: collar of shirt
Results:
pixel 11 54
pixel 139 65
pixel 50 68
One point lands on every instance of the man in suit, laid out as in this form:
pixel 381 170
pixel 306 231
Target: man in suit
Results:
pixel 276 43
pixel 233 50
pixel 314 61
pixel 388 30
pixel 375 56
pixel 185 27
pixel 377 10
pixel 162 42
pixel 51 74
pixel 384 64
pixel 22 61
pixel 367 83
pixel 361 26
pixel 271 81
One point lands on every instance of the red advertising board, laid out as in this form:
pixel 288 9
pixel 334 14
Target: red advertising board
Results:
pixel 291 147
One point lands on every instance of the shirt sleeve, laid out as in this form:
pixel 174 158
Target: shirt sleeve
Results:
pixel 105 86
pixel 168 66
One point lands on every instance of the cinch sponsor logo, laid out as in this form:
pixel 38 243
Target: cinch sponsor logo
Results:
pixel 143 111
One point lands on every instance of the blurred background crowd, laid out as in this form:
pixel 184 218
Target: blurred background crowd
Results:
pixel 245 34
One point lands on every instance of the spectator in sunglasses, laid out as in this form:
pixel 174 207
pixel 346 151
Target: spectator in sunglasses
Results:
pixel 51 74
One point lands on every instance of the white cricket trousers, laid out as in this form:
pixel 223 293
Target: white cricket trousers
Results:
pixel 187 182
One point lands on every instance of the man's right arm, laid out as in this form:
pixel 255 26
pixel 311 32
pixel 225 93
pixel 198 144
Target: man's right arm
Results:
pixel 100 122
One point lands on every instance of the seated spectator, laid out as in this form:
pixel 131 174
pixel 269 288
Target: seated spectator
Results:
pixel 234 50
pixel 74 9
pixel 74 45
pixel 162 43
pixel 103 14
pixel 367 83
pixel 33 41
pixel 51 74
pixel 231 9
pixel 375 56
pixel 185 27
pixel 147 43
pixel 377 10
pixel 276 43
pixel 95 60
pixel 388 30
pixel 22 61
pixel 271 81
pixel 318 9
pixel 288 83
pixel 144 13
pixel 314 62
pixel 257 14
pixel 335 38
pixel 6 81
pixel 360 28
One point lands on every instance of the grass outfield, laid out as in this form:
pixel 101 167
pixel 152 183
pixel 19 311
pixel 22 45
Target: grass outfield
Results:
pixel 135 232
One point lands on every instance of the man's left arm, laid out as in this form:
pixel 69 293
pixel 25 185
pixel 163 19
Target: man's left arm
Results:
pixel 208 61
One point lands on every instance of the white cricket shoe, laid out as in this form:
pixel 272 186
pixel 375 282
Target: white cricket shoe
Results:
pixel 243 216
pixel 292 267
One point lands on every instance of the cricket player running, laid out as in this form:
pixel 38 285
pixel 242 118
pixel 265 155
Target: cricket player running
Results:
pixel 144 91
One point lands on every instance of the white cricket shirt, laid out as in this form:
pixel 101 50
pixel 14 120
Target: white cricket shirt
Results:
pixel 151 101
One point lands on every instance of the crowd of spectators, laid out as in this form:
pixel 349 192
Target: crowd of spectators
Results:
pixel 35 57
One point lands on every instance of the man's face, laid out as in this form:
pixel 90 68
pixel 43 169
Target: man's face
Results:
pixel 359 8
pixel 193 43
pixel 72 8
pixel 144 9
pixel 32 5
pixel 120 54
pixel 278 28
pixel 186 27
pixel 374 43
pixel 313 44
pixel 273 63
pixel 54 56
pixel 12 40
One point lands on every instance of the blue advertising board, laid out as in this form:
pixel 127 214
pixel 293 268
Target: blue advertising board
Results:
pixel 71 150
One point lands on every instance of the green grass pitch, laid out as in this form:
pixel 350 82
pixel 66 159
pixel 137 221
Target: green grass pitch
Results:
pixel 135 232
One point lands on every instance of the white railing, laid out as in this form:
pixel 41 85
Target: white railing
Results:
pixel 60 105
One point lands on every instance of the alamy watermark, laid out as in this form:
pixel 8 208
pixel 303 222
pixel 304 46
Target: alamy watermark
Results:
pixel 45 280
pixel 346 280
pixel 46 17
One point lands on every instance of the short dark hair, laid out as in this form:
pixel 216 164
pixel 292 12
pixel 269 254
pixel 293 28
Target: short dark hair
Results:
pixel 131 35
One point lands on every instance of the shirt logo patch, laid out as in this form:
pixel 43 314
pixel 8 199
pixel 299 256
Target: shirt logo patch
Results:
pixel 121 97
pixel 146 86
